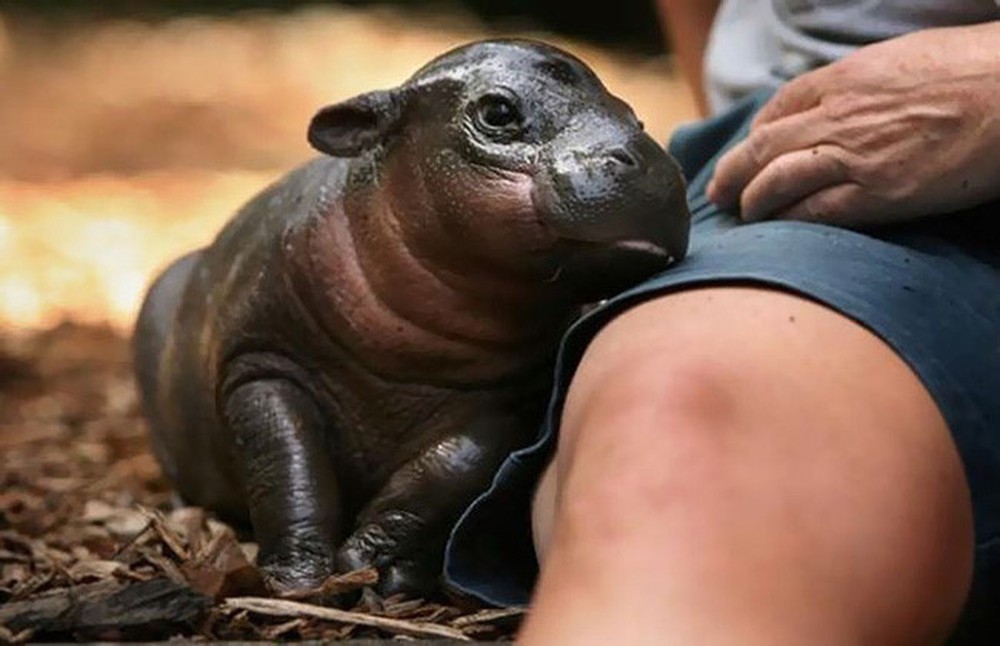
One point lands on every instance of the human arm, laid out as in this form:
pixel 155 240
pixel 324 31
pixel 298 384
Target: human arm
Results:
pixel 687 23
pixel 902 129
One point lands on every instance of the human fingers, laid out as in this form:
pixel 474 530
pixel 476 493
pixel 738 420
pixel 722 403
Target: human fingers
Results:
pixel 744 161
pixel 801 94
pixel 792 177
pixel 843 205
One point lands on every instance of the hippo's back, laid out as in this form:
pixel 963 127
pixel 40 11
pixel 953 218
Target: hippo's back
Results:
pixel 194 312
pixel 156 317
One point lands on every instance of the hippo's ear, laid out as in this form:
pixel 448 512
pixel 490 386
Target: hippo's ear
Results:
pixel 348 128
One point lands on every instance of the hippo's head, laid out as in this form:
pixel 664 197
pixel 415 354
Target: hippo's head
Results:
pixel 513 153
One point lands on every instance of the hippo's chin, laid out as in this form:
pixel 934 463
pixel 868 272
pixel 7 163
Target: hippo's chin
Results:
pixel 596 270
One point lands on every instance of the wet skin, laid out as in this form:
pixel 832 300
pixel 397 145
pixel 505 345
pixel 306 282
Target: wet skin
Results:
pixel 349 361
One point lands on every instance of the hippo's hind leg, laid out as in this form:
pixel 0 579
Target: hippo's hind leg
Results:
pixel 152 329
pixel 291 488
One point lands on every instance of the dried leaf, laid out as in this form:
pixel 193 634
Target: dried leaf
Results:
pixel 166 534
pixel 121 522
pixel 189 522
pixel 7 556
pixel 85 570
pixel 250 550
pixel 97 511
pixel 221 569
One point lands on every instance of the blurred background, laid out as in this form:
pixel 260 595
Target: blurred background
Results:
pixel 130 130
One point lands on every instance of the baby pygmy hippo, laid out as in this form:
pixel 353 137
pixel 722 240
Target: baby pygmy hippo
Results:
pixel 349 361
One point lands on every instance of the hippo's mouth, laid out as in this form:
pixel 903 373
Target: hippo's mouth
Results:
pixel 596 270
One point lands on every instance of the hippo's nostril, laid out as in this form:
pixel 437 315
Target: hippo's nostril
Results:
pixel 624 157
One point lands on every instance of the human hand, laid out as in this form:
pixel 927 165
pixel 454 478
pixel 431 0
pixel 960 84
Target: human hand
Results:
pixel 897 130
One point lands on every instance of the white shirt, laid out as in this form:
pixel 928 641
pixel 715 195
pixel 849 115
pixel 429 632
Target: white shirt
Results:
pixel 762 43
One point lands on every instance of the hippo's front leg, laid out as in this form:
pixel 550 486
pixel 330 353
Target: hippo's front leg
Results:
pixel 403 530
pixel 291 487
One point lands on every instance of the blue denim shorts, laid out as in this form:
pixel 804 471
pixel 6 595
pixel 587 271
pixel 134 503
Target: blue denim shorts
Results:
pixel 930 289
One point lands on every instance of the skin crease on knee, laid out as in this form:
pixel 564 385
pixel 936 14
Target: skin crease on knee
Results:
pixel 741 465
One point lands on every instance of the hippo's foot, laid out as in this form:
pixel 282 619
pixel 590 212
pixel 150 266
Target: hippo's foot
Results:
pixel 395 543
pixel 402 531
pixel 286 577
pixel 294 568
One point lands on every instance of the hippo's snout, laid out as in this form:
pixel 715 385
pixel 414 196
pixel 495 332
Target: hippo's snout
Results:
pixel 618 208
pixel 616 192
pixel 621 161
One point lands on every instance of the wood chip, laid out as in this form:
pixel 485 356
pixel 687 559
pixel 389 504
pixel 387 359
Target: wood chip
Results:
pixel 35 583
pixel 336 584
pixel 284 608
pixel 150 609
pixel 274 632
pixel 371 601
pixel 402 608
pixel 8 637
pixel 487 616
pixel 84 505
pixel 167 567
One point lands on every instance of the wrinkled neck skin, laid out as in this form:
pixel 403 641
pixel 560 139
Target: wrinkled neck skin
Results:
pixel 415 300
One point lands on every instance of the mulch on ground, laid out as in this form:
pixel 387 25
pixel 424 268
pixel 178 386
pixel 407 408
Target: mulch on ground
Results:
pixel 93 545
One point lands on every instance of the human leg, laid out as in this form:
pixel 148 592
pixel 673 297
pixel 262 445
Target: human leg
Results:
pixel 740 465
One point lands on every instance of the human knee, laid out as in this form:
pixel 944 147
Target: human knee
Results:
pixel 649 429
pixel 705 431
pixel 633 392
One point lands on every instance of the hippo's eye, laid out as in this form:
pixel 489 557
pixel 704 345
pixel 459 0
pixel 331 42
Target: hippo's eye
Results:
pixel 497 113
